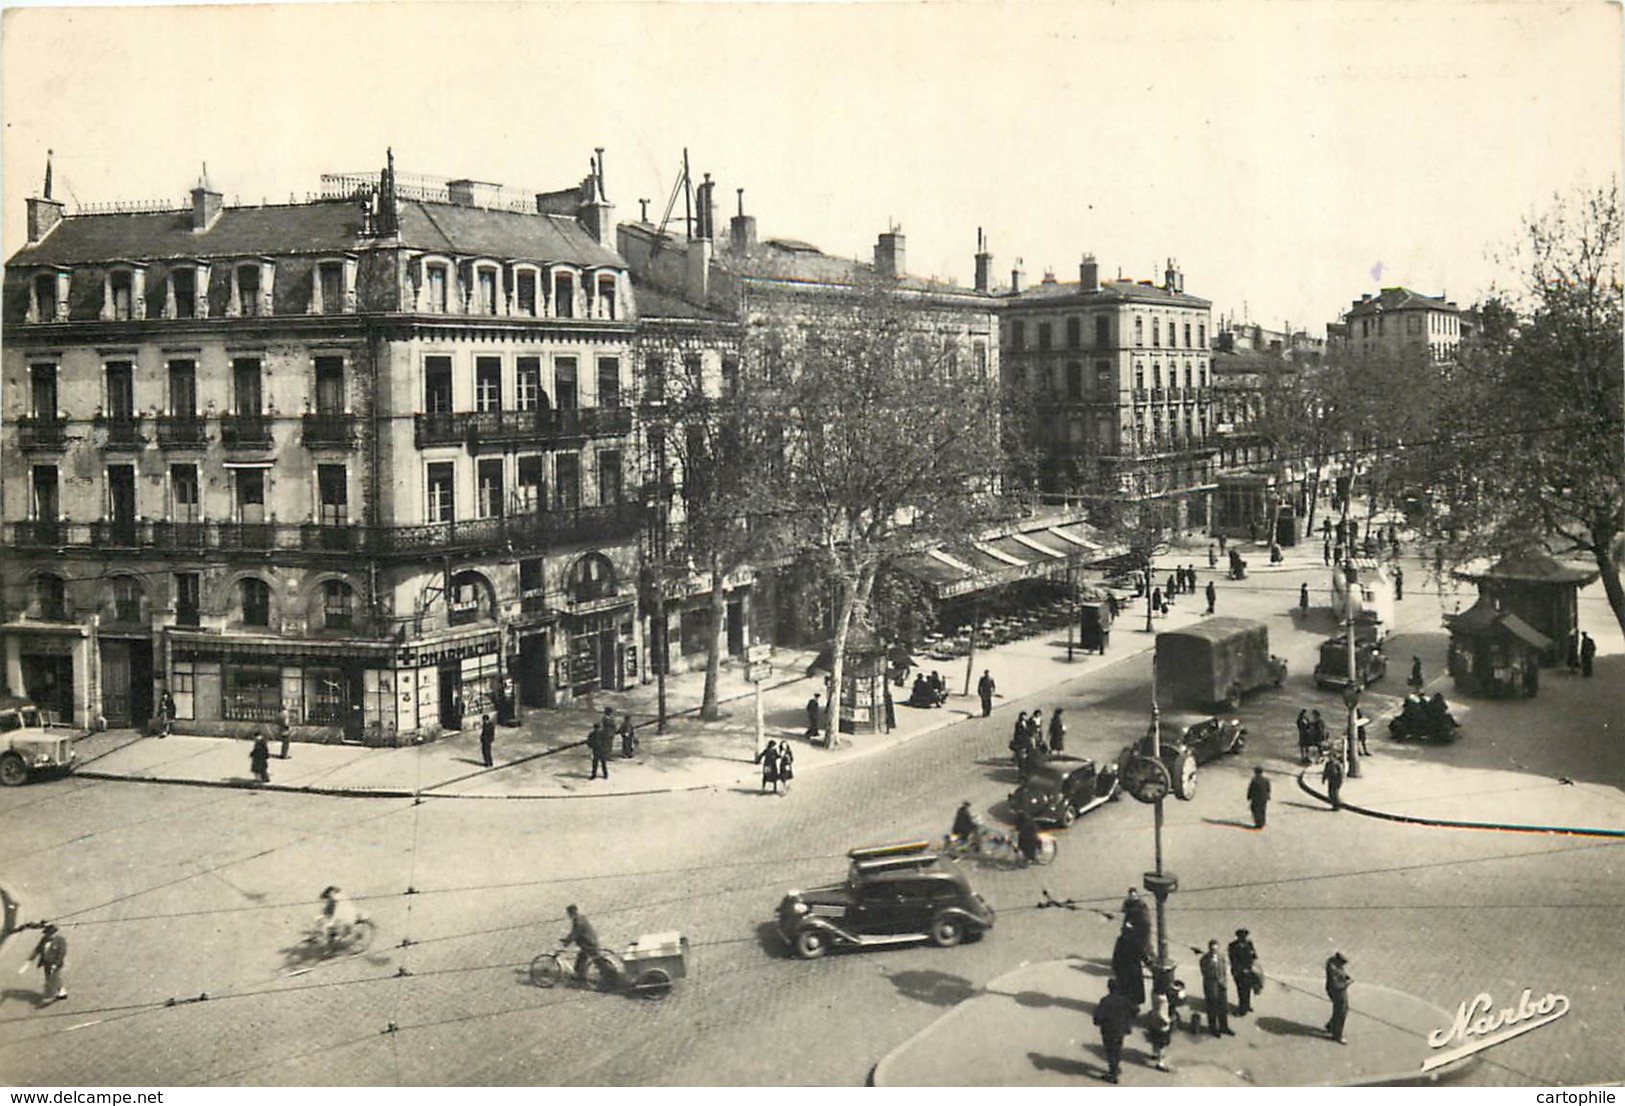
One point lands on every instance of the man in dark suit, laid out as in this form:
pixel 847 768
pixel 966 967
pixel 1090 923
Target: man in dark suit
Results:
pixel 1258 799
pixel 1337 989
pixel 1215 992
pixel 600 741
pixel 1243 966
pixel 488 735
pixel 1114 1014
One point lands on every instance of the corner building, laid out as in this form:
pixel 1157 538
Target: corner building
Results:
pixel 361 456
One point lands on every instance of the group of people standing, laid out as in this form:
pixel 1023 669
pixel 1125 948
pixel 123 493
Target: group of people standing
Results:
pixel 602 739
pixel 1032 739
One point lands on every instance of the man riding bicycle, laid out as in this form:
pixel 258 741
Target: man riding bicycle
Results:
pixel 967 829
pixel 337 919
pixel 584 938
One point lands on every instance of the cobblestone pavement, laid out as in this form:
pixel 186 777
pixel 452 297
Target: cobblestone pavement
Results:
pixel 171 892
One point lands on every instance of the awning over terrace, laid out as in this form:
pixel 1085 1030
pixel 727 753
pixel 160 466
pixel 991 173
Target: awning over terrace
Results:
pixel 1035 549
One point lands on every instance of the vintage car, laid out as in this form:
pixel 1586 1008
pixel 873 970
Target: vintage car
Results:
pixel 1056 791
pixel 1332 671
pixel 893 894
pixel 1202 741
pixel 27 747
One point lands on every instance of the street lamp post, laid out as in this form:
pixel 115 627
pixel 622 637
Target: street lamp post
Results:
pixel 1159 882
pixel 1351 697
pixel 1148 628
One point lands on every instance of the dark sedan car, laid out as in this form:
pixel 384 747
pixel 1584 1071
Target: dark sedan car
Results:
pixel 893 894
pixel 1203 741
pixel 1055 792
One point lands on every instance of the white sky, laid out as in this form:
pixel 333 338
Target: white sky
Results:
pixel 1290 155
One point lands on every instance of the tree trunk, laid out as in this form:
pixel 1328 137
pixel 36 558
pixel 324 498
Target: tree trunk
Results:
pixel 854 595
pixel 1601 548
pixel 709 709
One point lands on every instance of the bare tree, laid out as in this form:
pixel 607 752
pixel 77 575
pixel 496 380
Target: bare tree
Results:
pixel 876 433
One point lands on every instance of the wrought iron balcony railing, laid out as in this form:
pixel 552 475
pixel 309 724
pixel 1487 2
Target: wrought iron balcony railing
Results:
pixel 245 431
pixel 42 432
pixel 328 431
pixel 182 432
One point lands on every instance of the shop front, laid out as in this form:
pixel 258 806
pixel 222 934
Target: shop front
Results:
pixel 49 664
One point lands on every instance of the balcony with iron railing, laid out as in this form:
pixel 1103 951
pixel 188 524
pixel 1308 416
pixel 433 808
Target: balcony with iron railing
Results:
pixel 326 430
pixel 182 432
pixel 119 432
pixel 484 429
pixel 246 432
pixel 49 432
pixel 540 529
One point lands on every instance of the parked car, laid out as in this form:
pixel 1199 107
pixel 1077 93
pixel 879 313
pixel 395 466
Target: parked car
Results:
pixel 1333 669
pixel 893 894
pixel 27 747
pixel 1204 740
pixel 1057 791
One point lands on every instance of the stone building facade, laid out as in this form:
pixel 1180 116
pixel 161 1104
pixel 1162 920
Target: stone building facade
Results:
pixel 364 458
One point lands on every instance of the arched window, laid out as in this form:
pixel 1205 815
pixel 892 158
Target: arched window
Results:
pixel 338 605
pixel 591 577
pixel 1139 331
pixel 255 596
pixel 470 599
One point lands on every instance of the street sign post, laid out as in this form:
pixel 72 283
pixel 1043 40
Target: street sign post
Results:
pixel 758 669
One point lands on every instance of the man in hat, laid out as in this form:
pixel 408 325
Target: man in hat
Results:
pixel 1258 798
pixel 1244 970
pixel 1588 653
pixel 1215 992
pixel 1337 989
pixel 50 954
pixel 1332 777
pixel 600 741
pixel 1115 1015
pixel 584 937
pixel 985 689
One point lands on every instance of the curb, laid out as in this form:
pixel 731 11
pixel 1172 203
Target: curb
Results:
pixel 1450 823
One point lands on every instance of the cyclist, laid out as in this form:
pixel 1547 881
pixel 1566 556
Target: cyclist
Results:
pixel 967 828
pixel 1027 840
pixel 584 938
pixel 337 919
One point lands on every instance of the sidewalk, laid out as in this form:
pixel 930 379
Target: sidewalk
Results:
pixel 1034 1028
pixel 545 758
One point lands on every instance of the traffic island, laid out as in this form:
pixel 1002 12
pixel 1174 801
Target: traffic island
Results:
pixel 1034 1028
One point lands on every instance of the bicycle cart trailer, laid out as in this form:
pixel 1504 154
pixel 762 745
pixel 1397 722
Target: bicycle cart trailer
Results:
pixel 647 968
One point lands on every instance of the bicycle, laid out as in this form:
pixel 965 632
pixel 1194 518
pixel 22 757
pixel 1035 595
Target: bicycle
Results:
pixel 351 939
pixel 608 972
pixel 998 846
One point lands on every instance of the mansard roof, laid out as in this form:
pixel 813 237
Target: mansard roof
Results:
pixel 319 227
pixel 1400 299
pixel 1110 291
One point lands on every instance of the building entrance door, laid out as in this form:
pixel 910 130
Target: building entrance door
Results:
pixel 451 695
pixel 116 683
pixel 535 688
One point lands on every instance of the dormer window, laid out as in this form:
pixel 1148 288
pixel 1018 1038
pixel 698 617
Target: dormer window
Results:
pixel 332 287
pixel 251 288
pixel 48 297
pixel 122 295
pixel 487 290
pixel 564 295
pixel 606 296
pixel 181 298
pixel 525 291
pixel 437 281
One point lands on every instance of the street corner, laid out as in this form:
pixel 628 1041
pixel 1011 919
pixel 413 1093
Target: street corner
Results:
pixel 1034 1027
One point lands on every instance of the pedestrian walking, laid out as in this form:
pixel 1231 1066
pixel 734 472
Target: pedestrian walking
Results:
pixel 1159 1029
pixel 1303 597
pixel 1021 746
pixel 787 767
pixel 629 737
pixel 1221 545
pixel 166 713
pixel 891 707
pixel 1318 737
pixel 1156 600
pixel 1337 552
pixel 1057 733
pixel 1114 1014
pixel 1137 917
pixel 768 757
pixel 285 726
pixel 1326 550
pixel 1111 604
pixel 1035 730
pixel 1128 966
pixel 259 759
pixel 1304 736
pixel 50 954
pixel 812 716
pixel 1588 653
pixel 599 742
pixel 1212 557
pixel 1337 989
pixel 488 736
pixel 1399 583
pixel 1258 796
pixel 1332 777
pixel 1361 724
pixel 985 689
pixel 1212 594
pixel 1416 674
pixel 1215 992
pixel 1244 971
pixel 1574 652
pixel 1172 588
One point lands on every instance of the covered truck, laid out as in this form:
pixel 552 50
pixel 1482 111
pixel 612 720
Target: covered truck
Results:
pixel 1215 662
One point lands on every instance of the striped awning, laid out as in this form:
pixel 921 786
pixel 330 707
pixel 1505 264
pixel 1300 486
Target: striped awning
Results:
pixel 1035 550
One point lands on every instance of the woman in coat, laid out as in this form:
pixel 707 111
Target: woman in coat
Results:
pixel 768 758
pixel 1057 732
pixel 259 759
pixel 787 766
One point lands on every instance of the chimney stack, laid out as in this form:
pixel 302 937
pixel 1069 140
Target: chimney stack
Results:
pixel 593 211
pixel 1015 278
pixel 1170 277
pixel 889 254
pixel 705 212
pixel 44 213
pixel 206 204
pixel 700 246
pixel 1089 273
pixel 984 262
pixel 742 229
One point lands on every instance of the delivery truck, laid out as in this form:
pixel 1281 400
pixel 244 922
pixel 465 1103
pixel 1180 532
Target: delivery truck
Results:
pixel 1214 663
